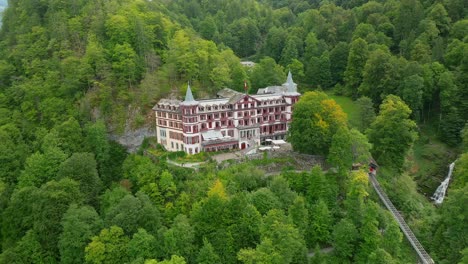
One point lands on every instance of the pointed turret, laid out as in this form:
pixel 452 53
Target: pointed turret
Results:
pixel 189 100
pixel 290 86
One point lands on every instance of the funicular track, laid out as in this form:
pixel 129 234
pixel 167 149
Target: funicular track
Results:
pixel 423 255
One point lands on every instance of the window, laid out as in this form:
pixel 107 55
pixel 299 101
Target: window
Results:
pixel 162 132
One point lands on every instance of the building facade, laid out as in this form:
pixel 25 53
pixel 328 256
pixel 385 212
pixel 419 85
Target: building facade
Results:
pixel 232 121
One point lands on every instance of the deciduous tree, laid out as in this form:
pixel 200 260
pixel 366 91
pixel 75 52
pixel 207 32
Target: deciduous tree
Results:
pixel 316 120
pixel 80 224
pixel 110 246
pixel 392 134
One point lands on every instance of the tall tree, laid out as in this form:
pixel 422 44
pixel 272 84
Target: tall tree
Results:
pixel 299 215
pixel 41 167
pixel 179 239
pixel 412 92
pixel 316 120
pixel 348 147
pixel 13 152
pixel 345 237
pixel 53 201
pixel 17 217
pixel 289 52
pixel 338 61
pixel 110 246
pixel 266 73
pixel 82 168
pixel 133 212
pixel 378 76
pixel 320 223
pixel 358 54
pixel 392 134
pixel 207 255
pixel 408 16
pixel 142 246
pixel 79 226
pixel 366 113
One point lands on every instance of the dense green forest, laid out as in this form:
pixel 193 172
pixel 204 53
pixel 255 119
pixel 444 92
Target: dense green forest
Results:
pixel 73 72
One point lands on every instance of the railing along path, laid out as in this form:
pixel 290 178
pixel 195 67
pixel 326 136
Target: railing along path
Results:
pixel 423 255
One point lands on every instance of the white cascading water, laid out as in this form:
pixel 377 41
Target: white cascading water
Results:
pixel 439 194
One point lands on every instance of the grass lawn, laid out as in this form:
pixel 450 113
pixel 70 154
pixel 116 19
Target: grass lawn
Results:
pixel 349 107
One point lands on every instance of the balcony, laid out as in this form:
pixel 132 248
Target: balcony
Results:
pixel 219 141
pixel 248 126
pixel 276 133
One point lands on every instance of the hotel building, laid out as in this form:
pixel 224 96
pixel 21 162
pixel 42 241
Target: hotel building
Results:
pixel 232 121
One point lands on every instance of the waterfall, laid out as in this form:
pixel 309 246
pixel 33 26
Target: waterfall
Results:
pixel 439 194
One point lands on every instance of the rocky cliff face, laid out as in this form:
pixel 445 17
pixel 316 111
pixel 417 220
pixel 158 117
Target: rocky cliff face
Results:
pixel 133 134
pixel 132 138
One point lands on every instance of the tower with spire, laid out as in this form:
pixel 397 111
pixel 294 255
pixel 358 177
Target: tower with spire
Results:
pixel 290 86
pixel 189 100
pixel 291 96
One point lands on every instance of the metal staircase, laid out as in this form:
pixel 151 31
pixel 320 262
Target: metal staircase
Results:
pixel 423 255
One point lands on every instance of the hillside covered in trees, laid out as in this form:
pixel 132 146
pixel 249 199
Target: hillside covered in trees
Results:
pixel 71 72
